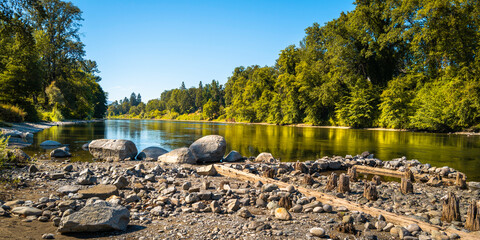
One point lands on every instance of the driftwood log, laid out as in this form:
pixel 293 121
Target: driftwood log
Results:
pixel 308 180
pixel 337 202
pixel 352 173
pixel 331 182
pixel 461 181
pixel 473 216
pixel 397 174
pixel 450 208
pixel 343 183
pixel 370 191
pixel 285 202
pixel 377 180
pixel 406 186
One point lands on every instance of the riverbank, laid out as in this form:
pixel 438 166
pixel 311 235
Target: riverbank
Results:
pixel 21 134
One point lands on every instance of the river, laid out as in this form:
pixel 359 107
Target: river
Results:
pixel 288 143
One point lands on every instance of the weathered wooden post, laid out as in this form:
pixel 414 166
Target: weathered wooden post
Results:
pixel 450 208
pixel 269 173
pixel 352 173
pixel 331 182
pixel 308 180
pixel 343 183
pixel 377 180
pixel 285 202
pixel 370 191
pixel 473 216
pixel 406 186
pixel 409 175
pixel 461 181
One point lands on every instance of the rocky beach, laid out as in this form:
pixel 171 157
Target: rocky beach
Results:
pixel 199 192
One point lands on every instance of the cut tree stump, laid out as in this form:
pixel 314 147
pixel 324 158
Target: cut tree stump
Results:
pixel 409 175
pixel 269 173
pixel 450 208
pixel 331 182
pixel 340 202
pixel 307 179
pixel 352 173
pixel 377 180
pixel 343 183
pixel 406 186
pixel 461 181
pixel 370 191
pixel 473 216
pixel 285 202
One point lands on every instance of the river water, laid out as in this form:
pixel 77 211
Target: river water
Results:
pixel 287 143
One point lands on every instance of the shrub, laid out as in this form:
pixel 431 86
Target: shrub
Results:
pixel 10 113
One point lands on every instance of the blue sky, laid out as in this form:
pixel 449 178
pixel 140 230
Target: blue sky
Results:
pixel 150 46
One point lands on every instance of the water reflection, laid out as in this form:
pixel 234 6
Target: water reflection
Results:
pixel 287 143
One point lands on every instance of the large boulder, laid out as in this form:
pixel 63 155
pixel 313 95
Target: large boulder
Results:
pixel 98 217
pixel 113 149
pixel 18 155
pixel 178 156
pixel 151 152
pixel 210 148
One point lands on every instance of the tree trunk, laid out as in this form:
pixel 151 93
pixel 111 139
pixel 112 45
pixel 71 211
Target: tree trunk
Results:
pixel 331 182
pixel 473 216
pixel 461 181
pixel 285 202
pixel 406 186
pixel 409 175
pixel 370 191
pixel 343 183
pixel 269 173
pixel 307 179
pixel 352 173
pixel 450 208
pixel 377 180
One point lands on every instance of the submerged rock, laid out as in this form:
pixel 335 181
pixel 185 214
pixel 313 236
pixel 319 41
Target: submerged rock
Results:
pixel 210 148
pixel 151 152
pixel 113 149
pixel 97 217
pixel 50 144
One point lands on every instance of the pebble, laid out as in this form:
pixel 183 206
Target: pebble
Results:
pixel 317 231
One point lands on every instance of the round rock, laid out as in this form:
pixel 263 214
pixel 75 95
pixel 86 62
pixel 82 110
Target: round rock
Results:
pixel 151 152
pixel 210 148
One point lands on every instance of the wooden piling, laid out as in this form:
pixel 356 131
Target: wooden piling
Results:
pixel 331 182
pixel 343 183
pixel 473 216
pixel 450 208
pixel 406 186
pixel 370 191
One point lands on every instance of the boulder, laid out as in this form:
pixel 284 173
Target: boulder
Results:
pixel 27 211
pixel 50 144
pixel 233 156
pixel 264 157
pixel 282 214
pixel 207 170
pixel 60 153
pixel 113 149
pixel 101 191
pixel 210 148
pixel 151 152
pixel 178 156
pixel 18 155
pixel 97 217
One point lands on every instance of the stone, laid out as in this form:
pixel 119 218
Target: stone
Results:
pixel 347 219
pixel 32 169
pixel 413 228
pixel 101 191
pixel 132 198
pixel 244 213
pixel 233 206
pixel 121 182
pixel 68 168
pixel 388 227
pixel 327 208
pixel 282 214
pixel 67 189
pixel 178 156
pixel 215 207
pixel 269 187
pixel 265 157
pixel 48 236
pixel 403 232
pixel 317 210
pixel 186 186
pixel 60 153
pixel 210 148
pixel 19 155
pixel 233 156
pixel 50 144
pixel 290 188
pixel 97 217
pixel 191 198
pixel 86 179
pixel 151 152
pixel 27 211
pixel 113 149
pixel 207 170
pixel 317 231
pixel 297 208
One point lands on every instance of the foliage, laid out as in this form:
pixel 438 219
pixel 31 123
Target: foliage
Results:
pixel 9 113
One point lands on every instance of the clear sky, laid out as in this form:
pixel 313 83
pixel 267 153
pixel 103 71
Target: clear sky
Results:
pixel 149 46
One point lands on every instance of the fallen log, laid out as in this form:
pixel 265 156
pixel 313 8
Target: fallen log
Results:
pixel 396 174
pixel 337 202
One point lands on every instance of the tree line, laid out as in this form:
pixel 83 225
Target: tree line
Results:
pixel 388 63
pixel 43 71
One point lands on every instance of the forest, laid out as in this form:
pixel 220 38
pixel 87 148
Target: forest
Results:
pixel 388 63
pixel 44 75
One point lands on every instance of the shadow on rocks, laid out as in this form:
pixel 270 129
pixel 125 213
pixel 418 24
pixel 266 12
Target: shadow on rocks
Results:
pixel 90 235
